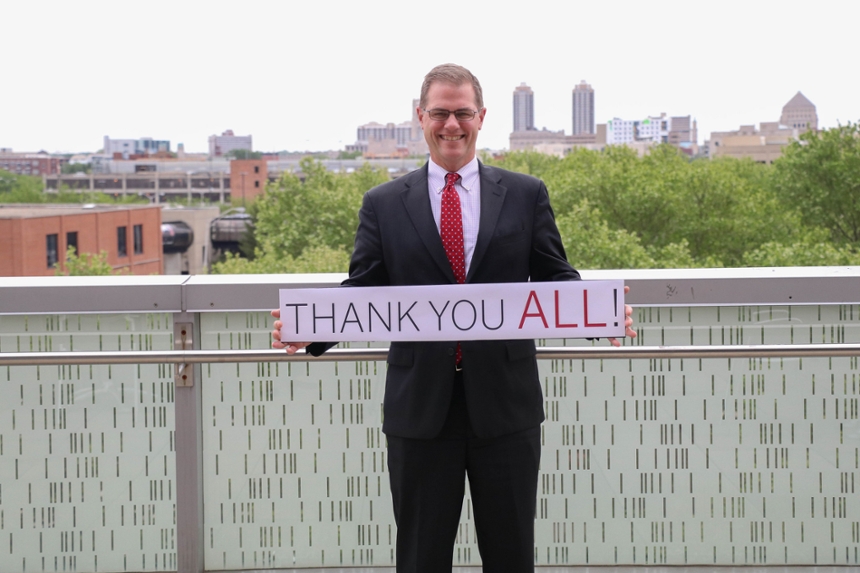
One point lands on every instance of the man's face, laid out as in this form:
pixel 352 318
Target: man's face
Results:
pixel 451 142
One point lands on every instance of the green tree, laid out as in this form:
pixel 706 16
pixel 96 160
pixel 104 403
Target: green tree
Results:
pixel 684 213
pixel 20 188
pixel 725 207
pixel 820 176
pixel 313 260
pixel 70 168
pixel 801 255
pixel 85 264
pixel 243 154
pixel 306 226
pixel 28 189
pixel 590 243
pixel 528 162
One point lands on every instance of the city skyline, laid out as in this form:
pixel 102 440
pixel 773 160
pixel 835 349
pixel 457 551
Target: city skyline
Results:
pixel 304 91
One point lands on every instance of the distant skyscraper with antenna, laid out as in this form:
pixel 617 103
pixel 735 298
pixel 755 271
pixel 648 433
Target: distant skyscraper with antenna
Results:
pixel 583 109
pixel 524 108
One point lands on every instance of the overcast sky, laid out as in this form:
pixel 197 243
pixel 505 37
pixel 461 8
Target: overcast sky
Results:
pixel 302 75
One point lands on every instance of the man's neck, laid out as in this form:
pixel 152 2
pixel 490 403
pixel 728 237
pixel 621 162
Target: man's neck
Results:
pixel 444 168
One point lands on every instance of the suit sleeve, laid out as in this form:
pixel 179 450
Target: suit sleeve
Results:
pixel 366 266
pixel 548 261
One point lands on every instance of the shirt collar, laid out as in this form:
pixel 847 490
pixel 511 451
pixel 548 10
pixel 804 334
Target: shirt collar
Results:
pixel 468 175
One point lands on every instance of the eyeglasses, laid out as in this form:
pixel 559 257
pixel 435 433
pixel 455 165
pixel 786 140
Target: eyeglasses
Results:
pixel 439 114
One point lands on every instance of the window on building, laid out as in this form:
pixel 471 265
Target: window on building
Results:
pixel 256 169
pixel 121 242
pixel 256 183
pixel 51 248
pixel 72 240
pixel 138 239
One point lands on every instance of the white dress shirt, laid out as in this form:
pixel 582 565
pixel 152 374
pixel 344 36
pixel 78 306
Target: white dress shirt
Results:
pixel 469 190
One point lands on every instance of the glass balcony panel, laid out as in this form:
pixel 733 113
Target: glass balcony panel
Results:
pixel 87 463
pixel 646 461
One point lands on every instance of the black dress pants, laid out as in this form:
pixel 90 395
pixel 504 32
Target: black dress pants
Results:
pixel 427 487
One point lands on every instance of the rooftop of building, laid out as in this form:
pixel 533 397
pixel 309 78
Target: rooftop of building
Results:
pixel 799 101
pixel 36 210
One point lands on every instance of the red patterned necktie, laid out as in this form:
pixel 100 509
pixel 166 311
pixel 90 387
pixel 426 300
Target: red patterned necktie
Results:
pixel 451 230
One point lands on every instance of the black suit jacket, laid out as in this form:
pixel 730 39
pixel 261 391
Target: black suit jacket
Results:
pixel 397 243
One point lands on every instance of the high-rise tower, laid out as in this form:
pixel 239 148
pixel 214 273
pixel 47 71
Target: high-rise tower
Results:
pixel 524 108
pixel 583 109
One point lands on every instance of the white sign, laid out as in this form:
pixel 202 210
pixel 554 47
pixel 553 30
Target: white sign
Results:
pixel 569 309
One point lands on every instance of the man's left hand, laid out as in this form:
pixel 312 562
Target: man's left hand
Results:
pixel 628 322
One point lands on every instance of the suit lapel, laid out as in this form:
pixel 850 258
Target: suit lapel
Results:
pixel 492 199
pixel 416 199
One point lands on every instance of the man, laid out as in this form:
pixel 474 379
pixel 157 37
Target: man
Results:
pixel 456 409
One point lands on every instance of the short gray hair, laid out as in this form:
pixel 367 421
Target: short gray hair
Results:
pixel 455 75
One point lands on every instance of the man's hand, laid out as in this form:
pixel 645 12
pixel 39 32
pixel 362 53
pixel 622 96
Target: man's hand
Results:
pixel 292 347
pixel 628 322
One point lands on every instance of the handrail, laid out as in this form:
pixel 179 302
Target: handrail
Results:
pixel 378 354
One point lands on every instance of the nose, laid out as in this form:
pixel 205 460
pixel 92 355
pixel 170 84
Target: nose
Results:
pixel 451 122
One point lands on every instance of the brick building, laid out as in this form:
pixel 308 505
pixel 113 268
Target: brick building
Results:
pixel 248 178
pixel 30 163
pixel 34 238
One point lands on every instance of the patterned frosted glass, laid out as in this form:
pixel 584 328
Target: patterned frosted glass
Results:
pixel 712 461
pixel 87 467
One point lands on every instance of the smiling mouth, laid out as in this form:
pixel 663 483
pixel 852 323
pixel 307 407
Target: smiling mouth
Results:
pixel 452 137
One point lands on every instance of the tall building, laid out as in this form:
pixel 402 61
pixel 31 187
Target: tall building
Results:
pixel 799 113
pixel 220 145
pixel 583 109
pixel 524 108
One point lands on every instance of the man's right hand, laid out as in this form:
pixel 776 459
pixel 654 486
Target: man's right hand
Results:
pixel 292 347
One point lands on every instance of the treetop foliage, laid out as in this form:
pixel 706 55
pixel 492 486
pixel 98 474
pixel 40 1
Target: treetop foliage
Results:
pixel 615 209
pixel 306 226
pixel 85 264
pixel 28 189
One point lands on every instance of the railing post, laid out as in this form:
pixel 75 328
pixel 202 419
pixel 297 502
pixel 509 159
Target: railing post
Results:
pixel 189 448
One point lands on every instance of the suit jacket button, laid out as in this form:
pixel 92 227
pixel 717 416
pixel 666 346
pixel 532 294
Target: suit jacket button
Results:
pixel 450 352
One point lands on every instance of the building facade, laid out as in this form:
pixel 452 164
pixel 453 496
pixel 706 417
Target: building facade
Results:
pixel 220 145
pixel 30 163
pixel 763 145
pixel 555 142
pixel 679 131
pixel 126 148
pixel 377 141
pixel 34 238
pixel 583 109
pixel 524 108
pixel 400 134
pixel 248 178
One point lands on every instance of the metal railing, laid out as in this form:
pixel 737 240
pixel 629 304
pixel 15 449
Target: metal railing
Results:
pixel 186 299
pixel 377 354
